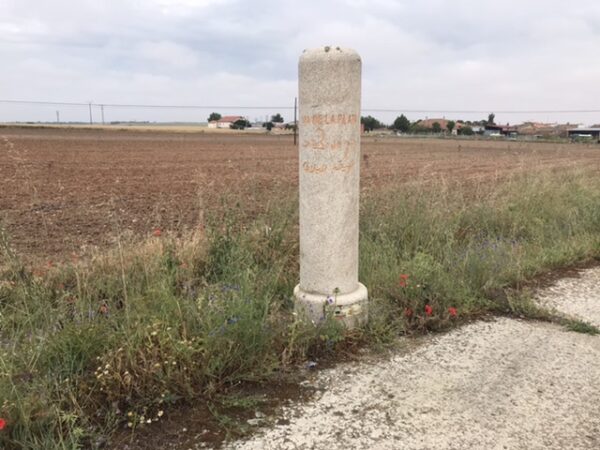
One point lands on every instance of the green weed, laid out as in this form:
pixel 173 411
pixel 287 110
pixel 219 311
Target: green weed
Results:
pixel 580 326
pixel 115 341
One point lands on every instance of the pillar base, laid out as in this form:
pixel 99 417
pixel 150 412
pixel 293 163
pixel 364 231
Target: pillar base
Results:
pixel 350 308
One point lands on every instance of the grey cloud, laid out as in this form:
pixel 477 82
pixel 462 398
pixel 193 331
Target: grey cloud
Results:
pixel 461 54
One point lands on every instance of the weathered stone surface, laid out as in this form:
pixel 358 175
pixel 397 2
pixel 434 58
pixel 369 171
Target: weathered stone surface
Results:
pixel 329 131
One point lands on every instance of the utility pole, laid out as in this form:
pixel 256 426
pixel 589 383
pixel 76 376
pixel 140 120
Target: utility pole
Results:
pixel 295 119
pixel 57 116
pixel 90 106
pixel 102 111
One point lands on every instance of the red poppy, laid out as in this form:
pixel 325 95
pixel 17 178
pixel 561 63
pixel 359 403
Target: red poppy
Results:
pixel 403 280
pixel 428 310
pixel 452 311
pixel 2 424
pixel 157 232
pixel 408 312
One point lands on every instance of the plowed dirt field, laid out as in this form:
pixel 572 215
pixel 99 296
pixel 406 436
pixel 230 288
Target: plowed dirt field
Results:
pixel 63 191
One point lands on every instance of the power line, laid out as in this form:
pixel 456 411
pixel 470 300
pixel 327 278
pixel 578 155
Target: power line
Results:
pixel 34 102
pixel 133 105
pixel 482 111
pixel 375 110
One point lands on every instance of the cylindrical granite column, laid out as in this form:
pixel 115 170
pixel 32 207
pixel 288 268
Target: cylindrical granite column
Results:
pixel 329 126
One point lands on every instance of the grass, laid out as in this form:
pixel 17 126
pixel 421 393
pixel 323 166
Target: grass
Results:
pixel 580 326
pixel 116 341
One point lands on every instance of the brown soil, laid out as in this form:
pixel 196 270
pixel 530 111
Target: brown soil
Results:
pixel 66 190
pixel 212 423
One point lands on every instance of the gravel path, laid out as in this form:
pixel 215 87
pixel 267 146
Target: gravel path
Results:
pixel 489 385
pixel 577 297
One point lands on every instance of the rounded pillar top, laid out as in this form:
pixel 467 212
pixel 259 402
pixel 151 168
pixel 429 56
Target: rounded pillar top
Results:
pixel 328 53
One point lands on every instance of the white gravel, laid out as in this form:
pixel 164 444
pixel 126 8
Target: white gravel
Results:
pixel 504 384
pixel 578 297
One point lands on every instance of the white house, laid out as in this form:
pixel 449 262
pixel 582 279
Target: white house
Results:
pixel 224 122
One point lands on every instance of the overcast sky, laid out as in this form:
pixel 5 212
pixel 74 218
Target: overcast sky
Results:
pixel 417 55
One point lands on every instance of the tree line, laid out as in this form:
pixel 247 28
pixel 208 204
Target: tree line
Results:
pixel 403 125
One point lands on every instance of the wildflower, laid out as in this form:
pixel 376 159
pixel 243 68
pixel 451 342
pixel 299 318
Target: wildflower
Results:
pixel 2 424
pixel 452 311
pixel 403 280
pixel 408 312
pixel 428 310
pixel 330 300
pixel 157 232
pixel 160 413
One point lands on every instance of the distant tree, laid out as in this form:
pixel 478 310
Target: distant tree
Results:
pixel 467 131
pixel 277 118
pixel 401 124
pixel 450 125
pixel 490 120
pixel 214 116
pixel 240 124
pixel 268 125
pixel 370 123
pixel 418 128
pixel 436 127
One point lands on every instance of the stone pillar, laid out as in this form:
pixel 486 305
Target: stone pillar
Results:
pixel 329 107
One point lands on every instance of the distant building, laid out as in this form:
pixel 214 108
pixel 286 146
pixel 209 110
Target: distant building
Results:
pixel 224 122
pixel 539 129
pixel 500 130
pixel 428 124
pixel 584 133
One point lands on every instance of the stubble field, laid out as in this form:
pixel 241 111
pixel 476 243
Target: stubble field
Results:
pixel 66 191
